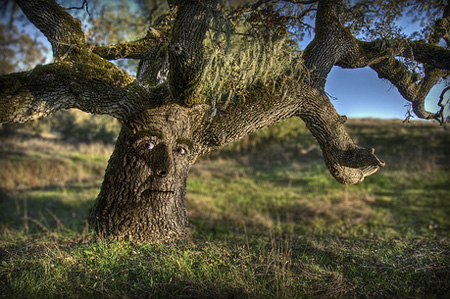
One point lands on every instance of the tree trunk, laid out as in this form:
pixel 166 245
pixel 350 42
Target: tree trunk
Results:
pixel 142 196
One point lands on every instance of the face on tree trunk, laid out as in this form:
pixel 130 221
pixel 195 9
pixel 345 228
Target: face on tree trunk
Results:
pixel 142 197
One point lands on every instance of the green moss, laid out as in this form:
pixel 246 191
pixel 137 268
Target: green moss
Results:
pixel 186 141
pixel 190 94
pixel 85 67
pixel 58 69
pixel 146 133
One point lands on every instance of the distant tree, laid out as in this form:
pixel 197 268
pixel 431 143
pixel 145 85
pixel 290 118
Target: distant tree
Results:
pixel 19 49
pixel 211 73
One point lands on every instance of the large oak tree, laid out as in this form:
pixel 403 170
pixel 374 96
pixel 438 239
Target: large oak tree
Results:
pixel 209 76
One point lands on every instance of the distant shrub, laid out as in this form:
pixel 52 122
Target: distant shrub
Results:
pixel 73 125
pixel 78 125
pixel 290 134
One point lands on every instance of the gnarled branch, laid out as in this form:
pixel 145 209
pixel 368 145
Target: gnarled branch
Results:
pixel 362 54
pixel 379 55
pixel 346 161
pixel 99 87
pixel 138 49
pixel 400 76
pixel 61 29
pixel 186 50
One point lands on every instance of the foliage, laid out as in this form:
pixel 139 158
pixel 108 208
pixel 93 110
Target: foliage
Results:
pixel 70 125
pixel 249 49
pixel 20 48
pixel 372 19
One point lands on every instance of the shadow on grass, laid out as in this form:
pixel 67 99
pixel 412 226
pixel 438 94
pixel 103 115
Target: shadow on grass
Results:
pixel 47 209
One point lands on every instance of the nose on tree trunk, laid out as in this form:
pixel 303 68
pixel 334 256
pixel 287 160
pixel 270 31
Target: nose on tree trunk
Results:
pixel 142 196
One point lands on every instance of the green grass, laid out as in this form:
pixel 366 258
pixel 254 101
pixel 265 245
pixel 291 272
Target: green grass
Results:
pixel 266 223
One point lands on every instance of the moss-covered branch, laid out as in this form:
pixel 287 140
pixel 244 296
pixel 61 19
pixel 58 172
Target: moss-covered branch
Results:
pixel 138 49
pixel 93 85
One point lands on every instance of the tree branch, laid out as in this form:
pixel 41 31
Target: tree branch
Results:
pixel 186 50
pixel 346 161
pixel 328 44
pixel 79 79
pixel 260 109
pixel 400 76
pixel 61 29
pixel 99 87
pixel 433 55
pixel 362 54
pixel 379 55
pixel 138 49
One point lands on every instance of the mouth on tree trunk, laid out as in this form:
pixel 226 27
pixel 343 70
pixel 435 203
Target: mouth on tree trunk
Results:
pixel 148 192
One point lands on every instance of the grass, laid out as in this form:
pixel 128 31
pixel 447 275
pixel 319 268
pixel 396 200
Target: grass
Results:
pixel 268 221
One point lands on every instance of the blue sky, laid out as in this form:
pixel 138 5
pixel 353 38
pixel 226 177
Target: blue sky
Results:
pixel 360 93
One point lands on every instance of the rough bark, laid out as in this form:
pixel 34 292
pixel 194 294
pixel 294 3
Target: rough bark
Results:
pixel 186 50
pixel 90 84
pixel 61 29
pixel 142 196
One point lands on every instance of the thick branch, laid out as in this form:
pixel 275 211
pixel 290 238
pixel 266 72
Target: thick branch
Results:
pixel 132 50
pixel 259 109
pixel 186 50
pixel 362 54
pixel 346 161
pixel 99 87
pixel 61 29
pixel 432 55
pixel 328 44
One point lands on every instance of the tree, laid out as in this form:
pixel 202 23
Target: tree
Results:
pixel 202 84
pixel 19 50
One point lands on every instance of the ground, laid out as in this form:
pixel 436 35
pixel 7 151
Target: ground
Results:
pixel 267 219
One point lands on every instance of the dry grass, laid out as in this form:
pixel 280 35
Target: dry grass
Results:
pixel 34 163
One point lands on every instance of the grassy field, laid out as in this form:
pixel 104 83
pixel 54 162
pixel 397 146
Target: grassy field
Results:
pixel 268 221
